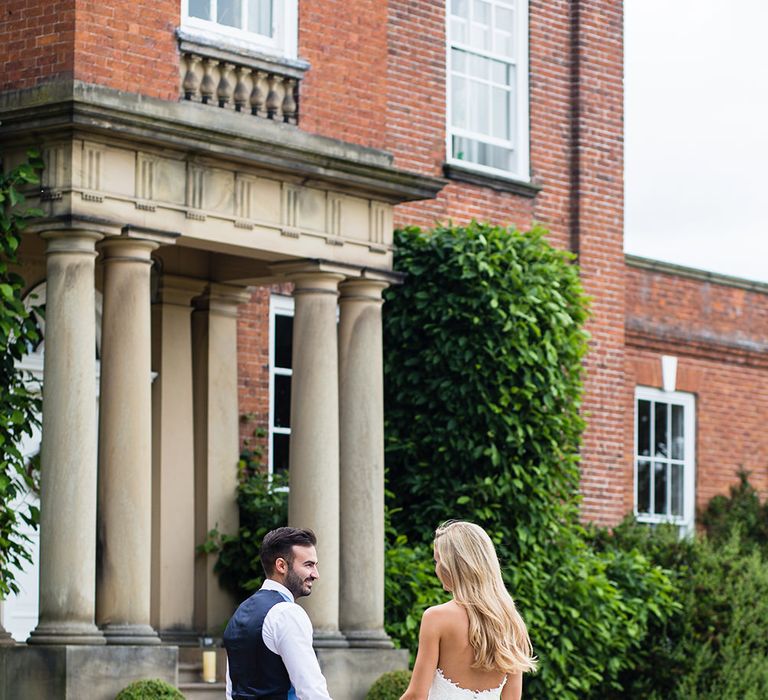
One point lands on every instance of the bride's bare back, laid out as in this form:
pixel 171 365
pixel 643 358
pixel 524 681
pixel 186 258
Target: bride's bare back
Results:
pixel 444 644
pixel 456 656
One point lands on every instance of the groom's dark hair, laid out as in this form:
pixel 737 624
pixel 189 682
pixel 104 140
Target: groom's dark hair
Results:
pixel 279 543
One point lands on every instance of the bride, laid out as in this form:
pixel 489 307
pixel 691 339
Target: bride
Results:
pixel 476 646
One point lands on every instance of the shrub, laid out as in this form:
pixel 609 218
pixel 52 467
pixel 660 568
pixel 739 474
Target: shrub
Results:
pixel 483 360
pixel 263 505
pixel 742 509
pixel 389 686
pixel 20 404
pixel 150 690
pixel 714 645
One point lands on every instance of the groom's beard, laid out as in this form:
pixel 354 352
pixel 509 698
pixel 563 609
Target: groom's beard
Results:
pixel 298 586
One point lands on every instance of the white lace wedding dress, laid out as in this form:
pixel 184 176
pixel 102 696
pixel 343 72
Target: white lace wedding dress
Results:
pixel 445 689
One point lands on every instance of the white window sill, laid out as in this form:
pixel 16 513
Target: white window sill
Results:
pixel 495 181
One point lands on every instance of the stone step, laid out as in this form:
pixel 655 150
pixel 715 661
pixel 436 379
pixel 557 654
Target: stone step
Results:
pixel 190 672
pixel 203 691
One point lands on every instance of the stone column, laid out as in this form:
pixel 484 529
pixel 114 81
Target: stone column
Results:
pixel 314 451
pixel 173 460
pixel 217 440
pixel 125 444
pixel 68 452
pixel 361 441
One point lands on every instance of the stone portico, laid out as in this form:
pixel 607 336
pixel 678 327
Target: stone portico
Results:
pixel 172 210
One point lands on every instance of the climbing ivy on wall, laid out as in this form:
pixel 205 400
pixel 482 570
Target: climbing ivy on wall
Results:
pixel 20 404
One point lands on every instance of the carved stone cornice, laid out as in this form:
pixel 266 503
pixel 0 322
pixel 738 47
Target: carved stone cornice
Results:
pixel 73 107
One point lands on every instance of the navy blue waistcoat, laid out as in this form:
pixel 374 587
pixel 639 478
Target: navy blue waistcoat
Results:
pixel 255 671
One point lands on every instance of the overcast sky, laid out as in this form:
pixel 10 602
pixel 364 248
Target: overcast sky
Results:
pixel 696 130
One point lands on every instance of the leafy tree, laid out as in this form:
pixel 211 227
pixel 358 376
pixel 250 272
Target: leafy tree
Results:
pixel 19 402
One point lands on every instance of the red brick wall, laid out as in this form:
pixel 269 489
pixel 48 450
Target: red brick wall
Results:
pixel 717 331
pixel 344 94
pixel 119 43
pixel 597 235
pixel 128 45
pixel 36 41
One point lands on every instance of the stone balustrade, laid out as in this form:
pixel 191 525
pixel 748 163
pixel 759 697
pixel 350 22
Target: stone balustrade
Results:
pixel 240 80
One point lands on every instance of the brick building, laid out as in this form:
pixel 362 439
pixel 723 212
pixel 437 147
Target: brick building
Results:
pixel 258 154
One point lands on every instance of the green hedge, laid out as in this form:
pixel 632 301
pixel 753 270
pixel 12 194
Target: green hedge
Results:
pixel 484 345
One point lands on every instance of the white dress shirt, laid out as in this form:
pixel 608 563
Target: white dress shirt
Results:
pixel 287 632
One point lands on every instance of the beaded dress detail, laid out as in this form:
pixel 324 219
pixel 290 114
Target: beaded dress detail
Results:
pixel 443 688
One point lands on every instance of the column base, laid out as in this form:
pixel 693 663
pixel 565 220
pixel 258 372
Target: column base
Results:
pixel 66 634
pixel 351 672
pixel 5 638
pixel 369 639
pixel 132 635
pixel 323 639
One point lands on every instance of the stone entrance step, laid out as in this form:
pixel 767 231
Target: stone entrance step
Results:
pixel 203 691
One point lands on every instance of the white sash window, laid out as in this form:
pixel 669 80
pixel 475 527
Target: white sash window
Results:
pixel 488 86
pixel 665 476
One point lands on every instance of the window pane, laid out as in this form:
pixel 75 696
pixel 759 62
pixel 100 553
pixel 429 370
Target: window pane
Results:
pixel 678 430
pixel 283 341
pixel 282 401
pixel 460 8
pixel 200 8
pixel 644 487
pixel 280 451
pixel 459 31
pixel 677 489
pixel 644 428
pixel 479 96
pixel 479 67
pixel 659 488
pixel 660 438
pixel 481 12
pixel 260 17
pixel 230 13
pixel 499 73
pixel 458 61
pixel 505 19
pixel 459 102
pixel 500 114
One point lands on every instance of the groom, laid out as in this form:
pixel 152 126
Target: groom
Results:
pixel 269 638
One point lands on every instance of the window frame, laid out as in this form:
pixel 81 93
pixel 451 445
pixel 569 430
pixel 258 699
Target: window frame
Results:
pixel 283 43
pixel 279 305
pixel 688 402
pixel 519 109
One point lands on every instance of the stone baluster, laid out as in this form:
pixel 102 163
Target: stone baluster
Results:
pixel 191 82
pixel 257 94
pixel 224 88
pixel 273 97
pixel 289 101
pixel 208 84
pixel 241 89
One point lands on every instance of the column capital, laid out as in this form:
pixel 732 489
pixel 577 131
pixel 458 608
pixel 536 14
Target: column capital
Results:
pixel 179 291
pixel 362 289
pixel 222 298
pixel 71 241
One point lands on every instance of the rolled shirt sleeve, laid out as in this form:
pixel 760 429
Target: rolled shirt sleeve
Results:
pixel 287 631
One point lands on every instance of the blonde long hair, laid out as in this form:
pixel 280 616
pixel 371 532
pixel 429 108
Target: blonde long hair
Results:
pixel 470 568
